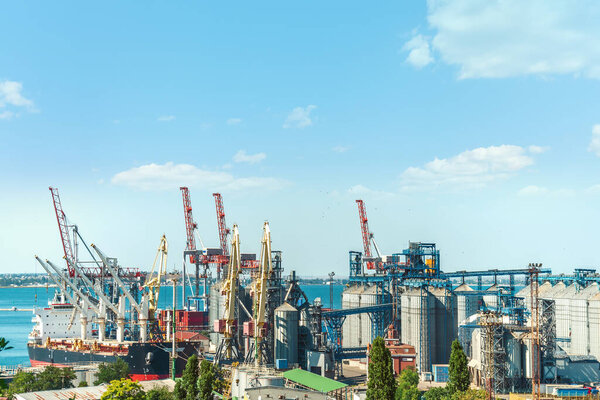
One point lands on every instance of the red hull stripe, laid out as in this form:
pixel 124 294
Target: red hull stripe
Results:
pixel 149 377
pixel 35 363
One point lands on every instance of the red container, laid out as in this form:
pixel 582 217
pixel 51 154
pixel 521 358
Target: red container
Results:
pixel 249 328
pixel 219 325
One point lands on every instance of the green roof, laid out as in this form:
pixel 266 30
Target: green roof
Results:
pixel 313 381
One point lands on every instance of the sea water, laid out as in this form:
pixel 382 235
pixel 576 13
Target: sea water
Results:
pixel 15 326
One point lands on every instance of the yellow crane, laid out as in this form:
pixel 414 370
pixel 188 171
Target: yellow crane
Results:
pixel 230 289
pixel 261 288
pixel 159 269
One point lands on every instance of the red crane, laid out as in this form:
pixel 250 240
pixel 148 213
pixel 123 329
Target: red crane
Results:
pixel 63 228
pixel 223 231
pixel 366 235
pixel 190 225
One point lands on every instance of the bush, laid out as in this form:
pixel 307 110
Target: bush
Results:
pixel 160 393
pixel 112 372
pixel 51 378
pixel 407 386
pixel 124 389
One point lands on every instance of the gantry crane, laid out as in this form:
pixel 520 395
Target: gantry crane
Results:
pixel 63 228
pixel 196 256
pixel 153 279
pixel 261 288
pixel 228 348
pixel 367 237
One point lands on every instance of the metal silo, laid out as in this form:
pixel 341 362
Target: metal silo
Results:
pixel 416 323
pixel 286 333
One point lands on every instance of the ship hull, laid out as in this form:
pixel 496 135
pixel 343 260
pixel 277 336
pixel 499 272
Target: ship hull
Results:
pixel 147 361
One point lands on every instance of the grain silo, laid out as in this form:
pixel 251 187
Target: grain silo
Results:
pixel 357 329
pixel 594 320
pixel 416 311
pixel 286 334
pixel 444 327
pixel 467 304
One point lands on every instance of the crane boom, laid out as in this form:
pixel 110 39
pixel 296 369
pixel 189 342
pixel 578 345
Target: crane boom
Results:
pixel 190 225
pixel 153 280
pixel 260 305
pixel 366 235
pixel 83 297
pixel 117 279
pixel 63 228
pixel 230 289
pixel 223 231
pixel 58 284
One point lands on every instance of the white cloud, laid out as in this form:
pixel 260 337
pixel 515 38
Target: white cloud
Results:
pixel 234 121
pixel 242 157
pixel 533 149
pixel 341 149
pixel 299 117
pixel 594 146
pixel 503 38
pixel 594 189
pixel 470 168
pixel 10 93
pixel 170 176
pixel 361 190
pixel 165 118
pixel 533 190
pixel 6 114
pixel 11 99
pixel 419 51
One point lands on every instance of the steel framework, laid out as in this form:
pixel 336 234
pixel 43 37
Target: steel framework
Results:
pixel 534 274
pixel 548 340
pixel 493 360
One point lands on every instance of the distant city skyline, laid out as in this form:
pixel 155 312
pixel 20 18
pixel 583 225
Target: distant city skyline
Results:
pixel 471 124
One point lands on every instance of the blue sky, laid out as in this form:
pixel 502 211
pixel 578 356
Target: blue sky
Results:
pixel 472 124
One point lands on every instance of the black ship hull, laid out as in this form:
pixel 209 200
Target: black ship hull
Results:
pixel 147 361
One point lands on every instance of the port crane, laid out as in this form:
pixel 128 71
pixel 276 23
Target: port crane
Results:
pixel 367 237
pixel 229 348
pixel 261 288
pixel 63 228
pixel 153 279
pixel 141 307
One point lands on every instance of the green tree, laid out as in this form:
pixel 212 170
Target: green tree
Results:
pixel 160 393
pixel 124 389
pixel 112 372
pixel 23 382
pixel 458 371
pixel 407 386
pixel 208 381
pixel 470 394
pixel 53 378
pixel 187 387
pixel 381 384
pixel 82 384
pixel 437 393
pixel 4 344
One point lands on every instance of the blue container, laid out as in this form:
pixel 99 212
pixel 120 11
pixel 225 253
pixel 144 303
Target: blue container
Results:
pixel 440 372
pixel 281 363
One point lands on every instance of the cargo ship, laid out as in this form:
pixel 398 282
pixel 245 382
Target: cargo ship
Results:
pixel 56 340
